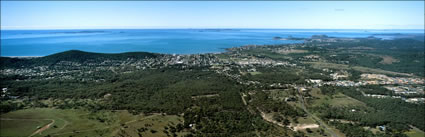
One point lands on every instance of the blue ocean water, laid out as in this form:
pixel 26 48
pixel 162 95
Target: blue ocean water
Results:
pixel 179 41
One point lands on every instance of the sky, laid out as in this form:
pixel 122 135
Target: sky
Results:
pixel 212 14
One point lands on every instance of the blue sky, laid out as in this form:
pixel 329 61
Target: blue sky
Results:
pixel 218 14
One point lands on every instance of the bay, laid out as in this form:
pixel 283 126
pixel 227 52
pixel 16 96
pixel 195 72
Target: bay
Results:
pixel 171 41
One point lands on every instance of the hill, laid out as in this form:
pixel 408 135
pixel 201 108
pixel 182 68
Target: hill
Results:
pixel 72 56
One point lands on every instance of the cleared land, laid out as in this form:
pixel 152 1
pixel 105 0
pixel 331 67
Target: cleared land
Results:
pixel 415 132
pixel 205 96
pixel 255 73
pixel 26 126
pixel 285 51
pixel 388 60
pixel 337 100
pixel 322 65
pixel 75 122
pixel 151 126
pixel 64 121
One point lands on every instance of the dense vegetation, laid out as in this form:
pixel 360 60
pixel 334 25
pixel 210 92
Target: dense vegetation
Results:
pixel 400 55
pixel 165 90
pixel 394 113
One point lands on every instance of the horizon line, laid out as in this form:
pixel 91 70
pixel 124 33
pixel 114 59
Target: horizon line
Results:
pixel 210 28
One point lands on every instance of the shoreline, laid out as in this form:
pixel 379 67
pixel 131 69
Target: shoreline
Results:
pixel 206 28
pixel 224 50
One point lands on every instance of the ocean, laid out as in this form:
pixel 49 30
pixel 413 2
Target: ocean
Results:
pixel 172 41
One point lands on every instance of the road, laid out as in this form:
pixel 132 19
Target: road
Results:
pixel 321 123
pixel 43 128
pixel 38 131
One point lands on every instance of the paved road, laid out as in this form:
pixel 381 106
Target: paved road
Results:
pixel 321 123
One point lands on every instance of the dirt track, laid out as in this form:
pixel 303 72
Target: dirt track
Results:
pixel 39 130
pixel 294 128
pixel 43 128
pixel 305 126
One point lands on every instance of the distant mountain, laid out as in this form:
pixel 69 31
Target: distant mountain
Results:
pixel 320 36
pixel 81 56
pixel 73 56
pixel 387 34
pixel 420 37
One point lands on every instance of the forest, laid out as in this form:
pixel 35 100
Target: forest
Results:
pixel 394 113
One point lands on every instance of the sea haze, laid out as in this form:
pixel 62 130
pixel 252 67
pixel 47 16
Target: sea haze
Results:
pixel 179 41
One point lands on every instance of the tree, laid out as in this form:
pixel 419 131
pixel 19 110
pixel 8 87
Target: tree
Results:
pixel 308 130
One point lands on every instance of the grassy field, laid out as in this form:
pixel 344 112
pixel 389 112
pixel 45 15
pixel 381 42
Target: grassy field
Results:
pixel 81 123
pixel 26 126
pixel 337 100
pixel 255 73
pixel 322 65
pixel 415 133
pixel 63 121
pixel 374 130
pixel 151 126
pixel 306 120
pixel 280 94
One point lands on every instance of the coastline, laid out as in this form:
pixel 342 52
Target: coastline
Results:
pixel 266 38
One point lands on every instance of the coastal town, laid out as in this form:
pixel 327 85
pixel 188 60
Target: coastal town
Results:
pixel 212 69
pixel 225 64
pixel 293 73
